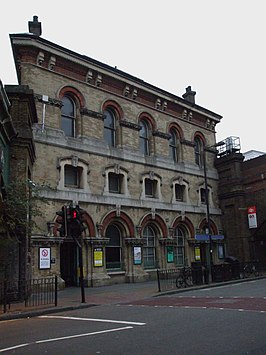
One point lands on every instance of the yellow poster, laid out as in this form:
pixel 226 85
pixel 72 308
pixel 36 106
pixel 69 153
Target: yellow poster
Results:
pixel 197 253
pixel 98 257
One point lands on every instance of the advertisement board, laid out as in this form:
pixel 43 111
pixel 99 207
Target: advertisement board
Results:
pixel 98 257
pixel 137 255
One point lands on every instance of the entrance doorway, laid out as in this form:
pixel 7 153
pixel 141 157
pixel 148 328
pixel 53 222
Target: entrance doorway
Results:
pixel 69 263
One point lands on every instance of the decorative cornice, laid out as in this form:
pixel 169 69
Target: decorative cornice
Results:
pixel 45 240
pixel 87 112
pixel 51 101
pixel 135 241
pixel 132 87
pixel 130 125
pixel 186 142
pixel 168 241
pixel 96 241
pixel 161 134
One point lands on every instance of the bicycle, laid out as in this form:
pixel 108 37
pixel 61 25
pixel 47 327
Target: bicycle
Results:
pixel 184 278
pixel 248 270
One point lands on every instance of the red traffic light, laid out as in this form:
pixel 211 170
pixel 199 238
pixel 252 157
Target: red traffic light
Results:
pixel 74 214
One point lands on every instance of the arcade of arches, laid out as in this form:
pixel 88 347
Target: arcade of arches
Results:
pixel 117 250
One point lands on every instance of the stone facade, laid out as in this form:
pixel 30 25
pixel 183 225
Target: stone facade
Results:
pixel 129 154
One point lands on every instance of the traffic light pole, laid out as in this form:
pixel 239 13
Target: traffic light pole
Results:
pixel 71 225
pixel 81 276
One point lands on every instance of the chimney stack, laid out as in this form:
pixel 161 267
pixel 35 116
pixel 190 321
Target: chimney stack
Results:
pixel 189 95
pixel 35 27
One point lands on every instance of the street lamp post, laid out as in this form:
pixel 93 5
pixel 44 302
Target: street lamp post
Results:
pixel 208 217
pixel 208 232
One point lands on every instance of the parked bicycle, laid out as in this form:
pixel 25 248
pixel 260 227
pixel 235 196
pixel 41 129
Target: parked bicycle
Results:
pixel 249 269
pixel 184 278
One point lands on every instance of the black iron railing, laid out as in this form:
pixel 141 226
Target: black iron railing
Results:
pixel 30 293
pixel 167 279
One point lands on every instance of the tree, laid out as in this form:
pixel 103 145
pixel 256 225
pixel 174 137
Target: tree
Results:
pixel 18 210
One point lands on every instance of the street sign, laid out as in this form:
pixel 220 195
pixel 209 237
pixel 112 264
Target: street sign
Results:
pixel 252 217
pixel 44 258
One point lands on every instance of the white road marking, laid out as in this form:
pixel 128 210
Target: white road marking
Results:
pixel 219 287
pixel 83 335
pixel 65 338
pixel 14 347
pixel 78 335
pixel 95 320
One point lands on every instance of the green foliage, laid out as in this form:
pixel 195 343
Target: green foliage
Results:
pixel 18 211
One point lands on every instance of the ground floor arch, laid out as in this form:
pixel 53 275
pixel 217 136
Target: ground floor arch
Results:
pixel 123 245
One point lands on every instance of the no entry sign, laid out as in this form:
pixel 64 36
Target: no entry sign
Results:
pixel 44 258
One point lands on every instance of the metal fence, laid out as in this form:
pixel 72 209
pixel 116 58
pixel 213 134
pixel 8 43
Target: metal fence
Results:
pixel 28 293
pixel 167 279
pixel 200 275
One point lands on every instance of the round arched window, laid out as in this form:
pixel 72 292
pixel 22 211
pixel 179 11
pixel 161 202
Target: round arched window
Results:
pixel 68 116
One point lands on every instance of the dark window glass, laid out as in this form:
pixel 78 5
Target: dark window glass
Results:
pixel 203 197
pixel 72 176
pixel 68 116
pixel 150 188
pixel 179 253
pixel 113 248
pixel 198 151
pixel 179 192
pixel 109 128
pixel 144 138
pixel 115 182
pixel 173 145
pixel 149 248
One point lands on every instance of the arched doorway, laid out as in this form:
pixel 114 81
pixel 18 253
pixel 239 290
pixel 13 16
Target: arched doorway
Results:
pixel 69 262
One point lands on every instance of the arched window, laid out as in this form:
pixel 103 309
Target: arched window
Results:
pixel 173 145
pixel 144 138
pixel 68 116
pixel 113 251
pixel 149 254
pixel 198 150
pixel 179 253
pixel 109 127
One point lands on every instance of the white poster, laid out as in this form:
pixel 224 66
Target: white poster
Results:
pixel 137 255
pixel 45 258
pixel 252 217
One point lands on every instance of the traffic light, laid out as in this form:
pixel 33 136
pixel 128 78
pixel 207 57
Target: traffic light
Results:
pixel 75 225
pixel 70 220
pixel 61 220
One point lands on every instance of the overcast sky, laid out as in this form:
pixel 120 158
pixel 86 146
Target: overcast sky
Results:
pixel 216 47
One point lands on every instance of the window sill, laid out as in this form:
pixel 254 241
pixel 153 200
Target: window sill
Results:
pixel 150 269
pixel 116 272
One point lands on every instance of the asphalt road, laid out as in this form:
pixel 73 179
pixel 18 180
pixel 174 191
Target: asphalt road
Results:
pixel 208 321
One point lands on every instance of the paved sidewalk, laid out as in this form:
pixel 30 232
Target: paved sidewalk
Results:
pixel 70 297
